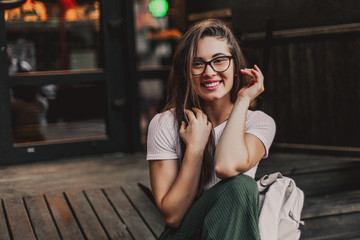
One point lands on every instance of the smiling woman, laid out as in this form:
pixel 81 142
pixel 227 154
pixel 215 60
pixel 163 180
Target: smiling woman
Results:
pixel 203 150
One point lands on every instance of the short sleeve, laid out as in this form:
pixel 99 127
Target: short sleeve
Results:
pixel 262 126
pixel 162 137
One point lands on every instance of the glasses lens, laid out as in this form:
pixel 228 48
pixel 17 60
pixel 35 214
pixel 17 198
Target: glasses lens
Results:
pixel 220 64
pixel 198 67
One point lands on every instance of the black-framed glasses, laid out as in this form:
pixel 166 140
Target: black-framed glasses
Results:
pixel 218 64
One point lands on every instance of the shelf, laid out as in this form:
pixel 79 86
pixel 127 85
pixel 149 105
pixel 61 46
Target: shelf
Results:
pixel 50 25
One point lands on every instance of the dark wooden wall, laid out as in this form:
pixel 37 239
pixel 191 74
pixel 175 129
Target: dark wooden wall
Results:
pixel 312 76
pixel 313 90
pixel 250 16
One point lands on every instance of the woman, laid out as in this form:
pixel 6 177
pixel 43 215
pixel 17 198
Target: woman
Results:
pixel 208 107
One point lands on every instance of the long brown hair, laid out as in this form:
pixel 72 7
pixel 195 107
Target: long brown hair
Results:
pixel 181 90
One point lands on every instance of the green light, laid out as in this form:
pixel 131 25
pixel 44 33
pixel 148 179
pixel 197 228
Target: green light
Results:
pixel 158 8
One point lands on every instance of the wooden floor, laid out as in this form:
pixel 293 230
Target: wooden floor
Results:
pixel 103 197
pixel 82 198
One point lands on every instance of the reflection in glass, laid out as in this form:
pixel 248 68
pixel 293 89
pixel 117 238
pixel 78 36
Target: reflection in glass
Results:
pixel 54 35
pixel 151 101
pixel 58 113
pixel 156 37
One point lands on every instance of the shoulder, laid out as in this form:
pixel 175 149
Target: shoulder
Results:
pixel 259 117
pixel 162 137
pixel 164 119
pixel 262 126
pixel 163 126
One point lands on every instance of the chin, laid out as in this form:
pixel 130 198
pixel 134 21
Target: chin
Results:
pixel 208 98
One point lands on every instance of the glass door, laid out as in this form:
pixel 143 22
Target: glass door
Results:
pixel 67 61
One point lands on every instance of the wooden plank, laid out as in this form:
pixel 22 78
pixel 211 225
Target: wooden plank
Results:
pixel 41 219
pixel 128 214
pixel 291 164
pixel 86 217
pixel 220 13
pixel 339 203
pixel 315 175
pixel 323 183
pixel 107 215
pixel 339 227
pixel 146 208
pixel 19 222
pixel 64 219
pixel 4 233
pixel 316 149
pixel 306 32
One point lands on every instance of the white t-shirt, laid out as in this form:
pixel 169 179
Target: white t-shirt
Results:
pixel 164 140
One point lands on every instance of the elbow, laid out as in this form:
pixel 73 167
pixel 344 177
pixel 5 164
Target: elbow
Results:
pixel 171 216
pixel 172 222
pixel 224 172
pixel 231 168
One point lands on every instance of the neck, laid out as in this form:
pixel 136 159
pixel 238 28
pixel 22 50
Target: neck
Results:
pixel 218 111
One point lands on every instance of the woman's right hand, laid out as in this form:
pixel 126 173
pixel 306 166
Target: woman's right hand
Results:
pixel 196 133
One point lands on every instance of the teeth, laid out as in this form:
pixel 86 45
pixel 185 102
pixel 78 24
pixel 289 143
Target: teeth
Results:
pixel 211 84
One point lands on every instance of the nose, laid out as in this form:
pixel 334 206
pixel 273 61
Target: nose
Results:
pixel 209 70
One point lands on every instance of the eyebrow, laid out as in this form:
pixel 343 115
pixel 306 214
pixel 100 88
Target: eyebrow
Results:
pixel 213 56
pixel 218 54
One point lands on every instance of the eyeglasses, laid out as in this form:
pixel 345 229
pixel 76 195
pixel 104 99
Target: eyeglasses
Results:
pixel 218 64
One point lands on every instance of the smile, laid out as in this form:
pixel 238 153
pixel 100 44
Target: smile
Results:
pixel 210 85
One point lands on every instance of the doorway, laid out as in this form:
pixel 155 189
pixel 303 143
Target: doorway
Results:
pixel 67 80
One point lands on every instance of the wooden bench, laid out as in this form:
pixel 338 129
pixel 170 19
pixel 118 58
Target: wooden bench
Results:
pixel 122 212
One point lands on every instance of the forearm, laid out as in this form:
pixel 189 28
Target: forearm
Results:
pixel 232 155
pixel 182 193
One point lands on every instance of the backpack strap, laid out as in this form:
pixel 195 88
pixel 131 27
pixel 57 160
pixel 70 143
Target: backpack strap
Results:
pixel 263 185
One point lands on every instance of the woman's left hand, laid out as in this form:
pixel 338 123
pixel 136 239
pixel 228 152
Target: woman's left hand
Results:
pixel 256 84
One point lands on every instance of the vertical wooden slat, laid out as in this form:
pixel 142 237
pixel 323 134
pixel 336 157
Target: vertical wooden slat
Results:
pixel 68 228
pixel 19 222
pixel 136 226
pixel 313 115
pixel 4 233
pixel 86 217
pixel 146 208
pixel 107 215
pixel 41 219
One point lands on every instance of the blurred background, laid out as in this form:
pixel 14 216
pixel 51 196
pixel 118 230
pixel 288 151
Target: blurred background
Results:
pixel 79 77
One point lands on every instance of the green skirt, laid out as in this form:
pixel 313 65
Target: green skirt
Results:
pixel 228 210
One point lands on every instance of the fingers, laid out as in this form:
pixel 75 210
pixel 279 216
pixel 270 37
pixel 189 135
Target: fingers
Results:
pixel 257 69
pixel 253 72
pixel 199 114
pixel 255 86
pixel 182 127
pixel 247 71
pixel 190 115
pixel 258 77
pixel 196 115
pixel 209 125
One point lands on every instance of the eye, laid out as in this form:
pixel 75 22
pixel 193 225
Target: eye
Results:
pixel 219 60
pixel 197 64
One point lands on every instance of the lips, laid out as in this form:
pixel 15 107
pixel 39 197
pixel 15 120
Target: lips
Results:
pixel 210 85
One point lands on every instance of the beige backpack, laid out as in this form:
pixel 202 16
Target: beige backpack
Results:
pixel 281 203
